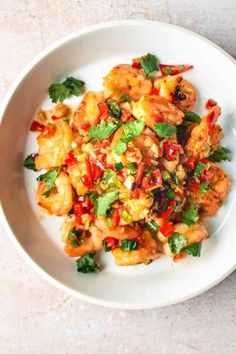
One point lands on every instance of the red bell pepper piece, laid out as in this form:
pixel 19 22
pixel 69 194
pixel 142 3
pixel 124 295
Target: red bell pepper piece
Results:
pixel 174 69
pixel 70 159
pixel 166 213
pixel 104 110
pixel 167 229
pixel 170 150
pixel 210 103
pixel 111 242
pixel 191 163
pixel 115 218
pixel 154 91
pixel 36 127
pixel 136 64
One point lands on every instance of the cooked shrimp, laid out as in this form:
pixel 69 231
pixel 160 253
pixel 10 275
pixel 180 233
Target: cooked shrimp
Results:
pixel 88 111
pixel 216 135
pixel 101 230
pixel 194 233
pixel 124 79
pixel 76 172
pixel 54 144
pixel 147 252
pixel 85 243
pixel 156 108
pixel 200 138
pixel 60 200
pixel 139 208
pixel 175 88
pixel 148 144
pixel 220 182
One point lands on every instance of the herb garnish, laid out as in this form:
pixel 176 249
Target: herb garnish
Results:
pixel 87 264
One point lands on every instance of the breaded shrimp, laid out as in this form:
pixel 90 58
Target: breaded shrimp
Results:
pixel 124 79
pixel 60 200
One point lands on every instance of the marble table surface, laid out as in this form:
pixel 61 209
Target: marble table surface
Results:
pixel 35 317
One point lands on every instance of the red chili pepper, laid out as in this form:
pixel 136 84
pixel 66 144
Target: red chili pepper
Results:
pixel 146 181
pixel 210 103
pixel 88 203
pixel 193 187
pixel 112 242
pixel 172 203
pixel 111 167
pixel 115 218
pixel 49 131
pixel 191 163
pixel 170 150
pixel 204 161
pixel 179 256
pixel 54 117
pixel 70 159
pixel 166 213
pixel 157 118
pixel 167 229
pixel 36 127
pixel 212 117
pixel 89 171
pixel 85 125
pixel 134 194
pixel 157 176
pixel 78 211
pixel 97 171
pixel 154 91
pixel 126 114
pixel 163 201
pixel 136 64
pixel 104 110
pixel 174 69
pixel 139 174
pixel 206 175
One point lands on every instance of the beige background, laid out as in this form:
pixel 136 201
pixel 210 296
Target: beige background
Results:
pixel 34 316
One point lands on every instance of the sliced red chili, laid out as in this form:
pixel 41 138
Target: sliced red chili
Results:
pixel 157 118
pixel 139 174
pixel 157 176
pixel 146 181
pixel 193 186
pixel 115 218
pixel 78 211
pixel 70 159
pixel 154 91
pixel 191 163
pixel 111 242
pixel 136 64
pixel 97 172
pixel 89 171
pixel 167 229
pixel 88 203
pixel 170 150
pixel 212 118
pixel 167 69
pixel 36 127
pixel 104 110
pixel 85 125
pixel 134 194
pixel 206 175
pixel 210 103
pixel 166 213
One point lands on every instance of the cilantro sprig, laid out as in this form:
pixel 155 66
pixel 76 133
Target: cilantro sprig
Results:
pixel 58 92
pixel 114 108
pixel 49 179
pixel 164 129
pixel 192 117
pixel 176 242
pixel 190 216
pixel 29 162
pixel 102 130
pixel 220 154
pixel 149 63
pixel 103 203
pixel 194 249
pixel 130 130
pixel 87 264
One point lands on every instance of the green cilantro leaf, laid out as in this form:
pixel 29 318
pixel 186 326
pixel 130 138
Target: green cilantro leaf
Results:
pixel 93 197
pixel 119 166
pixel 163 129
pixel 102 130
pixel 114 108
pixel 102 204
pixel 149 64
pixel 120 147
pixel 74 85
pixel 194 249
pixel 131 168
pixel 87 264
pixel 74 233
pixel 220 154
pixel 58 92
pixel 129 245
pixel 49 179
pixel 176 242
pixel 130 130
pixel 111 178
pixel 125 98
pixel 203 187
pixel 190 216
pixel 192 117
pixel 29 162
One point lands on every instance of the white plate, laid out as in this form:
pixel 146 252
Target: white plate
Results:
pixel 90 54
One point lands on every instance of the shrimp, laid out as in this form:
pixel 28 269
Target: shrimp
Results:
pixel 76 172
pixel 124 79
pixel 60 200
pixel 139 208
pixel 101 230
pixel 155 109
pixel 146 253
pixel 86 242
pixel 194 233
pixel 148 144
pixel 54 144
pixel 200 138
pixel 88 111
pixel 178 90
pixel 210 201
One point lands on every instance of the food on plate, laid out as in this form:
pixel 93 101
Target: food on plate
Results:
pixel 133 169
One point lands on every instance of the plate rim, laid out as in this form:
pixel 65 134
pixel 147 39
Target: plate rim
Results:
pixel 3 218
